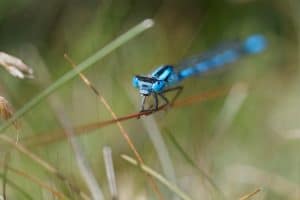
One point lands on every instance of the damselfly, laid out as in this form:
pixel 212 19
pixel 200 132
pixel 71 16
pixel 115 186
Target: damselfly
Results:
pixel 167 78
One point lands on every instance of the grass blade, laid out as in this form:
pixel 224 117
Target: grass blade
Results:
pixel 155 136
pixel 131 33
pixel 6 158
pixel 248 196
pixel 82 162
pixel 250 175
pixel 110 172
pixel 37 181
pixel 194 165
pixel 159 177
pixel 120 126
pixel 25 151
pixel 16 187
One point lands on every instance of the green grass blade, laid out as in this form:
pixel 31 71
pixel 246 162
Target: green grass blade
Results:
pixel 130 34
pixel 193 164
pixel 16 187
pixel 159 177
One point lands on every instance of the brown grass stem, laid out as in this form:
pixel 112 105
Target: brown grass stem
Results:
pixel 158 176
pixel 22 149
pixel 54 136
pixel 37 181
pixel 121 128
pixel 251 175
pixel 248 196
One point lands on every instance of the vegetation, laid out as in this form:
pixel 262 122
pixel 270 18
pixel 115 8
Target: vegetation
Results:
pixel 232 134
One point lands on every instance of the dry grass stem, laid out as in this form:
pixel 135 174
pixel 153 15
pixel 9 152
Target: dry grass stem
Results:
pixel 158 176
pixel 37 181
pixel 53 136
pixel 15 66
pixel 162 152
pixel 22 149
pixel 248 196
pixel 121 128
pixel 251 175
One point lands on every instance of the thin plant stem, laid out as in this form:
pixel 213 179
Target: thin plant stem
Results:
pixel 254 176
pixel 53 136
pixel 122 39
pixel 59 111
pixel 158 176
pixel 120 126
pixel 37 181
pixel 194 165
pixel 81 160
pixel 110 172
pixel 16 187
pixel 22 149
pixel 248 196
pixel 6 159
pixel 160 147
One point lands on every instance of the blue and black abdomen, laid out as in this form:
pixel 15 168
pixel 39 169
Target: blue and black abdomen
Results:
pixel 226 54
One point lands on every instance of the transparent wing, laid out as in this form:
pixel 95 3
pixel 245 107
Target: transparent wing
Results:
pixel 208 55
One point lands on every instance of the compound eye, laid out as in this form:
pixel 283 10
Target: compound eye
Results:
pixel 135 82
pixel 158 86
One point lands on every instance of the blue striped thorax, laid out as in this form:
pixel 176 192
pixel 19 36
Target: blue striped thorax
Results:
pixel 156 82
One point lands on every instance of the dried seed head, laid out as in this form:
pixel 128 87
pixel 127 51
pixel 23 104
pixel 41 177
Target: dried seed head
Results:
pixel 15 66
pixel 6 111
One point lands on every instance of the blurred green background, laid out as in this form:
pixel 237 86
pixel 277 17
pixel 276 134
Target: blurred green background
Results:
pixel 244 140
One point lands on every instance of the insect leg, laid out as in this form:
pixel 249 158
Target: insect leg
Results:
pixel 155 101
pixel 143 104
pixel 178 91
pixel 164 98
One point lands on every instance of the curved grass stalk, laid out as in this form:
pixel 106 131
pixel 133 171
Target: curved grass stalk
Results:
pixel 130 34
pixel 159 177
